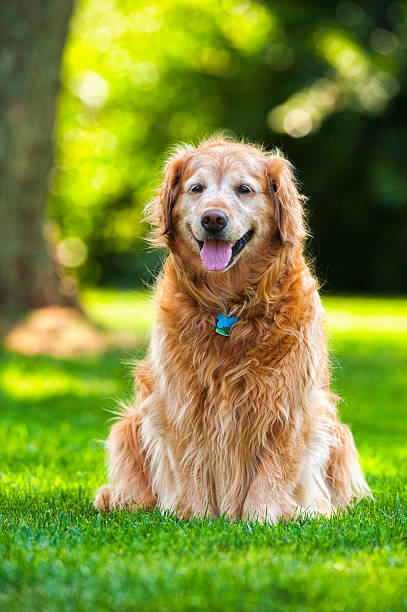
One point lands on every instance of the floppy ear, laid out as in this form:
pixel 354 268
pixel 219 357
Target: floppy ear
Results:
pixel 163 204
pixel 288 208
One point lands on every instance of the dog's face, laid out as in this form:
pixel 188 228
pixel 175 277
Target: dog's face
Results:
pixel 223 201
pixel 222 206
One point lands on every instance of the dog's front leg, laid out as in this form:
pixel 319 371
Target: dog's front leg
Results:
pixel 267 499
pixel 128 469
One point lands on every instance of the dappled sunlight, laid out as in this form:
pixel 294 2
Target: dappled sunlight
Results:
pixel 364 319
pixel 344 322
pixel 384 459
pixel 38 383
pixel 360 79
pixel 50 472
pixel 303 112
pixel 119 310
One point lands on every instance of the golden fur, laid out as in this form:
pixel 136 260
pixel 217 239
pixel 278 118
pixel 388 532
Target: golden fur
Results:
pixel 244 425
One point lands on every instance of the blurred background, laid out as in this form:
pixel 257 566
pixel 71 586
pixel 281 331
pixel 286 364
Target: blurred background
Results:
pixel 323 81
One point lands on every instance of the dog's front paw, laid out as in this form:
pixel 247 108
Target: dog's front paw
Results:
pixel 261 513
pixel 104 499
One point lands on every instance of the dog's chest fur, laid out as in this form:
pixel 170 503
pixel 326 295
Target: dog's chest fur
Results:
pixel 213 400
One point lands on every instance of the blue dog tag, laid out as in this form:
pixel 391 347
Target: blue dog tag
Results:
pixel 224 324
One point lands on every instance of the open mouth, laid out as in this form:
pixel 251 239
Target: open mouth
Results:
pixel 219 254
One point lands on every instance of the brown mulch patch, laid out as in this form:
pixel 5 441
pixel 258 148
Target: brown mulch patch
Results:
pixel 63 332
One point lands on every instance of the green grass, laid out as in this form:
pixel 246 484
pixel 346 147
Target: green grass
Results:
pixel 57 553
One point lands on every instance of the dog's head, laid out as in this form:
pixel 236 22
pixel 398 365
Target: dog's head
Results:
pixel 222 202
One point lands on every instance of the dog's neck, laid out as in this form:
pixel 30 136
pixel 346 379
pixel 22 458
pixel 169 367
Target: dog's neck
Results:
pixel 251 292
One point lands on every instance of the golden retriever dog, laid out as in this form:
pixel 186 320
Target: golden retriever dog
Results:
pixel 233 413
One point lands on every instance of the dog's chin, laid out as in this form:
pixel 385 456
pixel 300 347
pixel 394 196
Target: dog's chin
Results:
pixel 219 255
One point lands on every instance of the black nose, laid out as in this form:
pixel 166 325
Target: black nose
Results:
pixel 214 220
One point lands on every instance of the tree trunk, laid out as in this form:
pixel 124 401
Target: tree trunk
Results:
pixel 32 34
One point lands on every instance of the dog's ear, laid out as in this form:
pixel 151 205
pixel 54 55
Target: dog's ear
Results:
pixel 162 206
pixel 288 203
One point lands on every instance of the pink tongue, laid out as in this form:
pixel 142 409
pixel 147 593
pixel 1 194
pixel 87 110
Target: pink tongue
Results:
pixel 216 254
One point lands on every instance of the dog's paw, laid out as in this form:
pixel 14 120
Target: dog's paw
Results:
pixel 261 515
pixel 104 498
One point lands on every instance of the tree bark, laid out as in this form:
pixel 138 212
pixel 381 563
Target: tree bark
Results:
pixel 32 34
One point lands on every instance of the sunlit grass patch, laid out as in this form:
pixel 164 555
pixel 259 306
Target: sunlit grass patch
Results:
pixel 367 322
pixel 19 383
pixel 119 310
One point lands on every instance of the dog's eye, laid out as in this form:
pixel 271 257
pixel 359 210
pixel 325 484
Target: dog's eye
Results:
pixel 198 188
pixel 243 188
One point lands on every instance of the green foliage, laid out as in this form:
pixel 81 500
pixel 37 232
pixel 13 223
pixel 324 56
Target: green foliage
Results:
pixel 326 82
pixel 57 553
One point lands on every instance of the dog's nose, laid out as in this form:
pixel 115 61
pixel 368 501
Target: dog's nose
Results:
pixel 214 220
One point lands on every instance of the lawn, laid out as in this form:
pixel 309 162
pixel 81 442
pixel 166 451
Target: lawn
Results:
pixel 57 553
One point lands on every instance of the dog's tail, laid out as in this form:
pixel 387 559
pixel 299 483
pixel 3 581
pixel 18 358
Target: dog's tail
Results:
pixel 345 477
